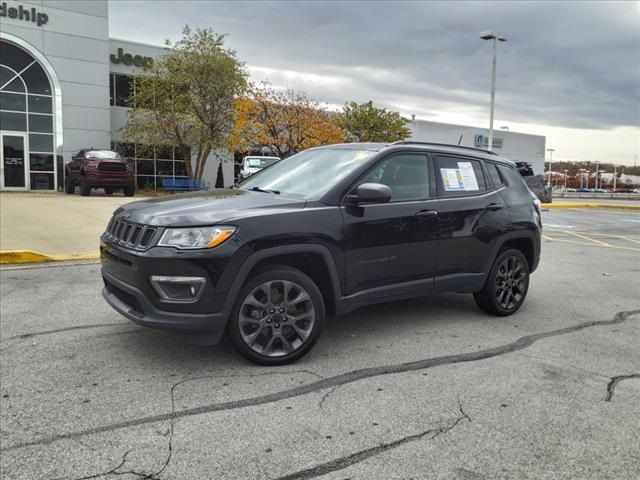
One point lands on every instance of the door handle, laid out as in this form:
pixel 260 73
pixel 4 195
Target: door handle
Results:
pixel 494 206
pixel 427 213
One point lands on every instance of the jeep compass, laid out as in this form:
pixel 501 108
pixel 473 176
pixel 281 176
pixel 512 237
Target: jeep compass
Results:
pixel 322 233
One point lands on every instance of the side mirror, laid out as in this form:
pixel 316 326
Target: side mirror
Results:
pixel 370 193
pixel 74 158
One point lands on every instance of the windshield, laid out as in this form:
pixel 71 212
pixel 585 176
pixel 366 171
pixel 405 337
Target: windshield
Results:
pixel 309 174
pixel 102 154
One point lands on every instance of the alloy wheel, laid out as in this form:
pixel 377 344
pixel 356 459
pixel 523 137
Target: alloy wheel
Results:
pixel 276 318
pixel 511 285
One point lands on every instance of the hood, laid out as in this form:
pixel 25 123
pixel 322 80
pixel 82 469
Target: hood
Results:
pixel 205 208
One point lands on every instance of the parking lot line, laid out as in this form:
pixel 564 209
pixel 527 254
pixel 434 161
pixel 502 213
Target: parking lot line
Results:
pixel 584 237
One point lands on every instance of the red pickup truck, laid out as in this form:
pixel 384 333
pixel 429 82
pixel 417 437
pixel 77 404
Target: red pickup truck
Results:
pixel 95 168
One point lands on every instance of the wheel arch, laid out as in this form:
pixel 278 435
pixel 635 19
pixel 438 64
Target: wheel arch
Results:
pixel 525 243
pixel 314 260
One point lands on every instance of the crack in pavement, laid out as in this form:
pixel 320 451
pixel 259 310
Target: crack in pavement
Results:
pixel 342 379
pixel 344 462
pixel 611 386
pixel 59 330
pixel 326 395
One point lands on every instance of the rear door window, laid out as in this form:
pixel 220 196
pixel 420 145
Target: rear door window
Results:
pixel 458 176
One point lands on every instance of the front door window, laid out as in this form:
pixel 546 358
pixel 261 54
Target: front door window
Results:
pixel 13 161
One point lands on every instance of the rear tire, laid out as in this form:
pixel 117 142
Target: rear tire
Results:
pixel 70 186
pixel 85 188
pixel 129 191
pixel 278 316
pixel 109 190
pixel 507 284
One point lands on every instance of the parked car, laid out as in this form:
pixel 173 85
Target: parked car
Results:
pixel 97 168
pixel 322 233
pixel 584 190
pixel 254 164
pixel 570 190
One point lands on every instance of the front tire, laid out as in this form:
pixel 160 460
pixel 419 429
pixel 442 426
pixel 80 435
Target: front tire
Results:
pixel 507 284
pixel 129 191
pixel 85 188
pixel 278 316
pixel 109 190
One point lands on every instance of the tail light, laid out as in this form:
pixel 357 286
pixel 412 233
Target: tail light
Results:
pixel 537 208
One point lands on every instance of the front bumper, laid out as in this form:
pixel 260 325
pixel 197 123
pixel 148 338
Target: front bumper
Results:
pixel 130 302
pixel 109 179
pixel 128 289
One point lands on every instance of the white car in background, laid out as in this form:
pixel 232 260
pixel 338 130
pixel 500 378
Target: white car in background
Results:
pixel 253 164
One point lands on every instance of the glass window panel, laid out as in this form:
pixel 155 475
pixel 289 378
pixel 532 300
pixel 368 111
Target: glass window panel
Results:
pixel 123 90
pixel 41 123
pixel 406 175
pixel 41 161
pixel 492 170
pixel 13 121
pixel 144 167
pixel 36 80
pixel 180 168
pixel 42 181
pixel 145 182
pixel 39 104
pixel 450 164
pixel 180 152
pixel 13 101
pixel 5 75
pixel 14 86
pixel 164 152
pixel 164 167
pixel 111 89
pixel 14 57
pixel 40 143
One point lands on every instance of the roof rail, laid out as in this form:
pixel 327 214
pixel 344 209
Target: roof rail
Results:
pixel 408 142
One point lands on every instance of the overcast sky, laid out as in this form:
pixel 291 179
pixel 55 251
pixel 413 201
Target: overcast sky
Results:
pixel 569 70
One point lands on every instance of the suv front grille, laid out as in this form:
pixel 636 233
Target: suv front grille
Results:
pixel 112 167
pixel 129 234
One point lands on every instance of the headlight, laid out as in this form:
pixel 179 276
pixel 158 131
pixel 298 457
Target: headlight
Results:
pixel 197 237
pixel 92 166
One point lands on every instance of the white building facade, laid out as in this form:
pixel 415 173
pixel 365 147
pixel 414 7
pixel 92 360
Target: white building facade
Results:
pixel 519 147
pixel 64 86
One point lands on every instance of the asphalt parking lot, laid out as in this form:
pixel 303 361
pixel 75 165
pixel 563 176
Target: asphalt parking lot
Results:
pixel 421 389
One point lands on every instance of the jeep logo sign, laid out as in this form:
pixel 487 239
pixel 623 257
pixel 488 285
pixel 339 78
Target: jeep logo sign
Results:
pixel 128 59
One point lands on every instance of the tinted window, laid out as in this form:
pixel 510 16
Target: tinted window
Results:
pixel 492 171
pixel 459 176
pixel 123 90
pixel 406 175
pixel 36 80
pixel 13 101
pixel 38 104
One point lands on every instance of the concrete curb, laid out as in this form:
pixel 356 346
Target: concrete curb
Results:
pixel 8 257
pixel 612 206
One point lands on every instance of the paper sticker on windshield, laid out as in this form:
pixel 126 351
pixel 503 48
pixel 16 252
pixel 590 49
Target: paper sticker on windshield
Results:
pixel 469 180
pixel 452 179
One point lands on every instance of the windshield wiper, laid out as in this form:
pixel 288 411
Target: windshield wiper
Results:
pixel 258 189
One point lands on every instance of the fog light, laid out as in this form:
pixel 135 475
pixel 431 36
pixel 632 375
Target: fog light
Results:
pixel 178 289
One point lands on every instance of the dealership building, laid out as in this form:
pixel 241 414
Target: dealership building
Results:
pixel 64 86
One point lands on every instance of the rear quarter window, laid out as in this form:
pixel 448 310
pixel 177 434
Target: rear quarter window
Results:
pixel 494 175
pixel 513 179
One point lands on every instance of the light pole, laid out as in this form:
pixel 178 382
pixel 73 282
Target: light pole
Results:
pixel 550 150
pixel 597 167
pixel 565 180
pixel 588 173
pixel 615 173
pixel 496 38
pixel 582 170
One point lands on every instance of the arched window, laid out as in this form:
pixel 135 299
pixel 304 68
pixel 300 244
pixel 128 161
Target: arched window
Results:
pixel 26 106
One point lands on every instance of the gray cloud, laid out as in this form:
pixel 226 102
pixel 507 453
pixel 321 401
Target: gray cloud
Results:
pixel 567 64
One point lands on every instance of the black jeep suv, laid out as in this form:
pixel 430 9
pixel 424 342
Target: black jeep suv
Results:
pixel 321 233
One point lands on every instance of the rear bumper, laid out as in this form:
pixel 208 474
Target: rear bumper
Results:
pixel 130 302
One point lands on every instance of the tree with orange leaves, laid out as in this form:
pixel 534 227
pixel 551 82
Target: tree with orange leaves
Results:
pixel 285 121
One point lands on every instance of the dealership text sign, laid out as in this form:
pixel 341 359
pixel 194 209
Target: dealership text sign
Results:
pixel 22 13
pixel 128 59
pixel 483 141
